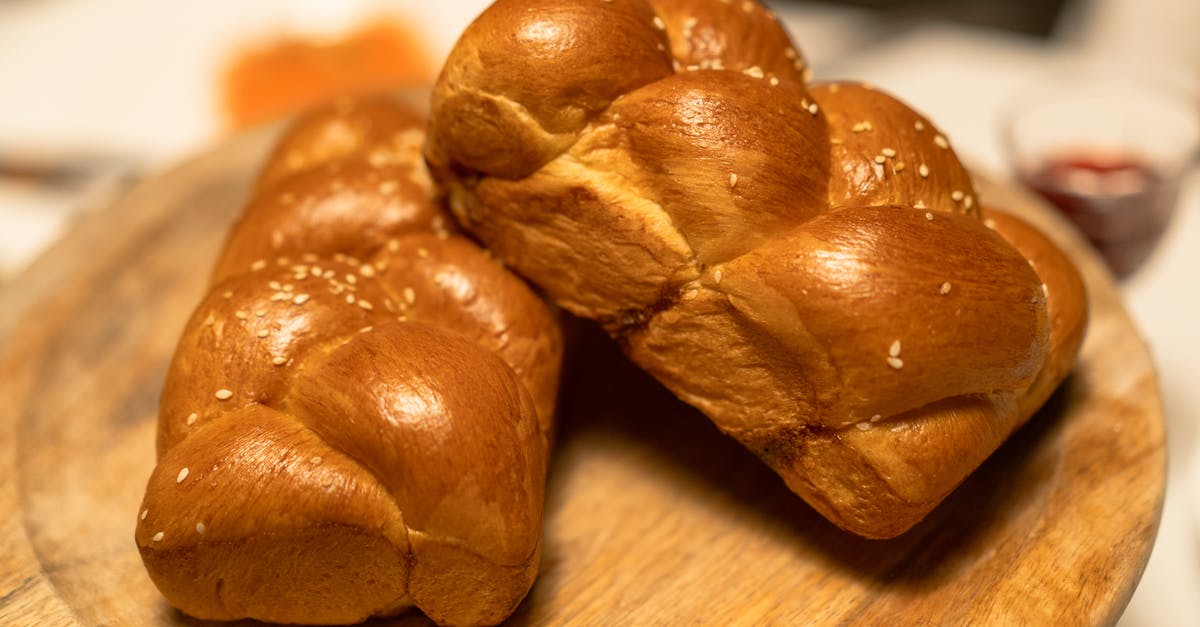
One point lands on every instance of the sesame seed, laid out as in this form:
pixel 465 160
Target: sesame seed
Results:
pixel 968 202
pixel 880 159
pixel 876 418
pixel 863 426
pixel 945 288
pixel 274 285
pixel 990 223
pixel 145 513
pixel 899 166
pixel 894 349
pixel 422 253
pixel 351 279
pixel 258 265
pixel 790 53
pixel 278 296
pixel 923 170
pixel 658 23
pixel 753 71
pixel 263 333
pixel 919 125
pixel 367 270
pixel 690 294
pixel 158 537
pixel 350 299
pixel 224 394
pixel 279 361
pixel 240 315
pixel 227 295
pixel 300 299
pixel 200 528
pixel 929 216
pixel 192 418
pixel 812 108
pixel 733 179
pixel 260 312
pixel 182 475
pixel 316 459
pixel 773 81
pixel 289 288
pixel 315 270
pixel 366 329
pixel 1045 290
pixel 409 295
pixel 941 142
pixel 956 196
pixel 920 204
pixel 388 187
pixel 895 362
pixel 861 127
pixel 365 305
pixel 717 275
pixel 888 152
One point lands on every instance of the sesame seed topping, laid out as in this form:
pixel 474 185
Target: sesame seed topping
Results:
pixel 274 285
pixel 258 265
pixel 350 299
pixel 773 81
pixel 300 299
pixel 941 142
pixel 753 71
pixel 863 426
pixel 968 202
pixel 812 108
pixel 888 152
pixel 945 288
pixel 351 279
pixel 367 270
pixel 920 204
pixel 224 394
pixel 899 166
pixel 861 127
pixel 145 513
pixel 733 179
pixel 240 315
pixel 263 333
pixel 717 275
pixel 880 159
pixel 182 475
pixel 919 125
pixel 956 196
pixel 200 528
pixel 192 418
pixel 409 295
pixel 1045 290
pixel 422 253
pixel 366 329
pixel 278 296
pixel 365 305
pixel 895 362
pixel 260 312
pixel 790 53
pixel 690 294
pixel 158 537
pixel 658 23
pixel 894 349
pixel 929 216
pixel 876 418
pixel 227 295
pixel 279 361
pixel 388 187
pixel 289 288
pixel 316 459
pixel 923 170
pixel 990 223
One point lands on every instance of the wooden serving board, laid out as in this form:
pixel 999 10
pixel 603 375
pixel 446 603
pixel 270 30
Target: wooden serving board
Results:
pixel 652 516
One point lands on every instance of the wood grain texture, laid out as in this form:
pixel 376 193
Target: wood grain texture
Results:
pixel 652 516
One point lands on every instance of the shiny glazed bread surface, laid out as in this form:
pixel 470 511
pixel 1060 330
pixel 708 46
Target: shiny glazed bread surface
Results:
pixel 806 263
pixel 355 421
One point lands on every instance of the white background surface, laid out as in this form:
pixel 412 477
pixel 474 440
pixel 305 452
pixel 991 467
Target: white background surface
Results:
pixel 137 77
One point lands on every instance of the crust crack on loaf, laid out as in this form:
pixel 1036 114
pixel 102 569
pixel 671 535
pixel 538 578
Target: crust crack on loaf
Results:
pixel 806 263
pixel 356 418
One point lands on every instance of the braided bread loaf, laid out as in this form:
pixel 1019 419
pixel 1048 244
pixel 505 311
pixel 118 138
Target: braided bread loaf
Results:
pixel 356 417
pixel 806 264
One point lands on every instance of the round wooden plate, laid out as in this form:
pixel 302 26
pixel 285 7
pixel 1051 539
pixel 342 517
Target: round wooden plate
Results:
pixel 652 516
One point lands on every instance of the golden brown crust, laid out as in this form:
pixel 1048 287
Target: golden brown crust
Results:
pixel 805 264
pixel 356 419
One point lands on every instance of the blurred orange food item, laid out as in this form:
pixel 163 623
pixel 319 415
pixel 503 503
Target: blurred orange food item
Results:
pixel 294 73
